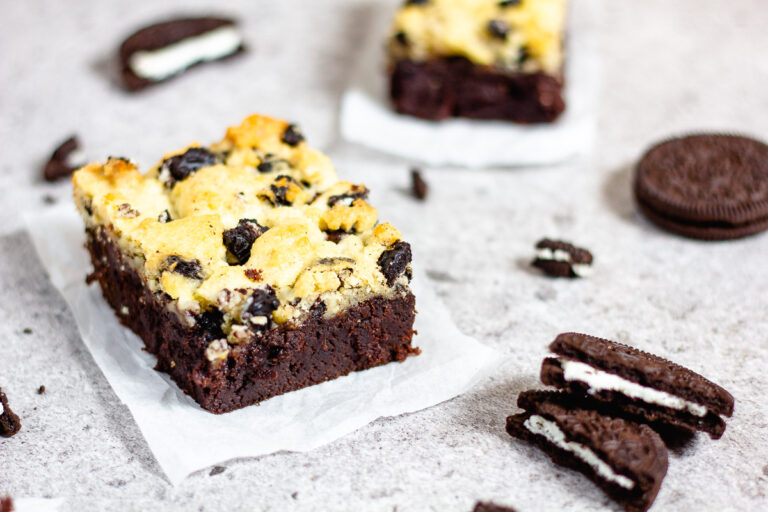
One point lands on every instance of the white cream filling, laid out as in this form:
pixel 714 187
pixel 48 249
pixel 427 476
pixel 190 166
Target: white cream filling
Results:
pixel 580 269
pixel 599 380
pixel 549 429
pixel 165 62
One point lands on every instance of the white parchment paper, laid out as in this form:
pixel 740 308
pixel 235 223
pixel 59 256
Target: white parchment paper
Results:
pixel 368 119
pixel 185 438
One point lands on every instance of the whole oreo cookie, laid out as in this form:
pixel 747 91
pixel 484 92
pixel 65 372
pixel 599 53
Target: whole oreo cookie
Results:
pixel 163 50
pixel 707 186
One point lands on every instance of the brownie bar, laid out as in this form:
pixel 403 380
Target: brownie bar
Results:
pixel 247 267
pixel 372 333
pixel 440 88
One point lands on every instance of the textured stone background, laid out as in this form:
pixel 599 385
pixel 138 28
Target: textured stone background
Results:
pixel 669 67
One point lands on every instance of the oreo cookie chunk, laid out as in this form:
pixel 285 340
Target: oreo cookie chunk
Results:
pixel 161 51
pixel 710 186
pixel 627 460
pixel 638 385
pixel 64 161
pixel 9 422
pixel 562 259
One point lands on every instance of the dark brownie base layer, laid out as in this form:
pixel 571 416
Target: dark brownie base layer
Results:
pixel 455 87
pixel 283 359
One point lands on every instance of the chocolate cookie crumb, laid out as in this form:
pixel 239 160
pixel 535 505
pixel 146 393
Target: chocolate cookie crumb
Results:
pixel 9 422
pixel 27 330
pixel 418 185
pixel 41 390
pixel 217 470
pixel 482 506
pixel 59 166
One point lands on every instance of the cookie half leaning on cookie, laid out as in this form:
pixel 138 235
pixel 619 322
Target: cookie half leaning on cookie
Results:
pixel 708 186
pixel 644 387
pixel 163 50
pixel 625 459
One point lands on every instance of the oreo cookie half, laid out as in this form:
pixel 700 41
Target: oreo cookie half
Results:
pixel 625 459
pixel 161 51
pixel 708 186
pixel 638 385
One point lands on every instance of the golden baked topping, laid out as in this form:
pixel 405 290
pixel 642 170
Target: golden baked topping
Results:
pixel 524 35
pixel 249 226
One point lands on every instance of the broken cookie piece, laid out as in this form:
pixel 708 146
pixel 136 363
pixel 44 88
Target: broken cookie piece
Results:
pixel 9 422
pixel 557 258
pixel 159 52
pixel 64 160
pixel 627 460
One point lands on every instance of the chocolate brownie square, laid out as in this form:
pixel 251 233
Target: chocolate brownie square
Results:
pixel 246 266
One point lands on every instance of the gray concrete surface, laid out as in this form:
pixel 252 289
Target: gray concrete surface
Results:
pixel 670 67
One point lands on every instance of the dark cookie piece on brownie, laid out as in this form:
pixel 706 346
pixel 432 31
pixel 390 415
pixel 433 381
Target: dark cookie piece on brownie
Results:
pixel 394 261
pixel 163 50
pixel 707 186
pixel 627 460
pixel 179 167
pixel 239 239
pixel 9 422
pixel 482 506
pixel 557 258
pixel 642 386
pixel 63 161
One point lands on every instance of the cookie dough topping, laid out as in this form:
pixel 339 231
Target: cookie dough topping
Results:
pixel 256 228
pixel 520 35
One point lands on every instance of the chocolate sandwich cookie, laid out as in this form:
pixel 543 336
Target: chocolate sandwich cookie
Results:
pixel 625 459
pixel 557 258
pixel 161 51
pixel 642 386
pixel 709 186
pixel 9 422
